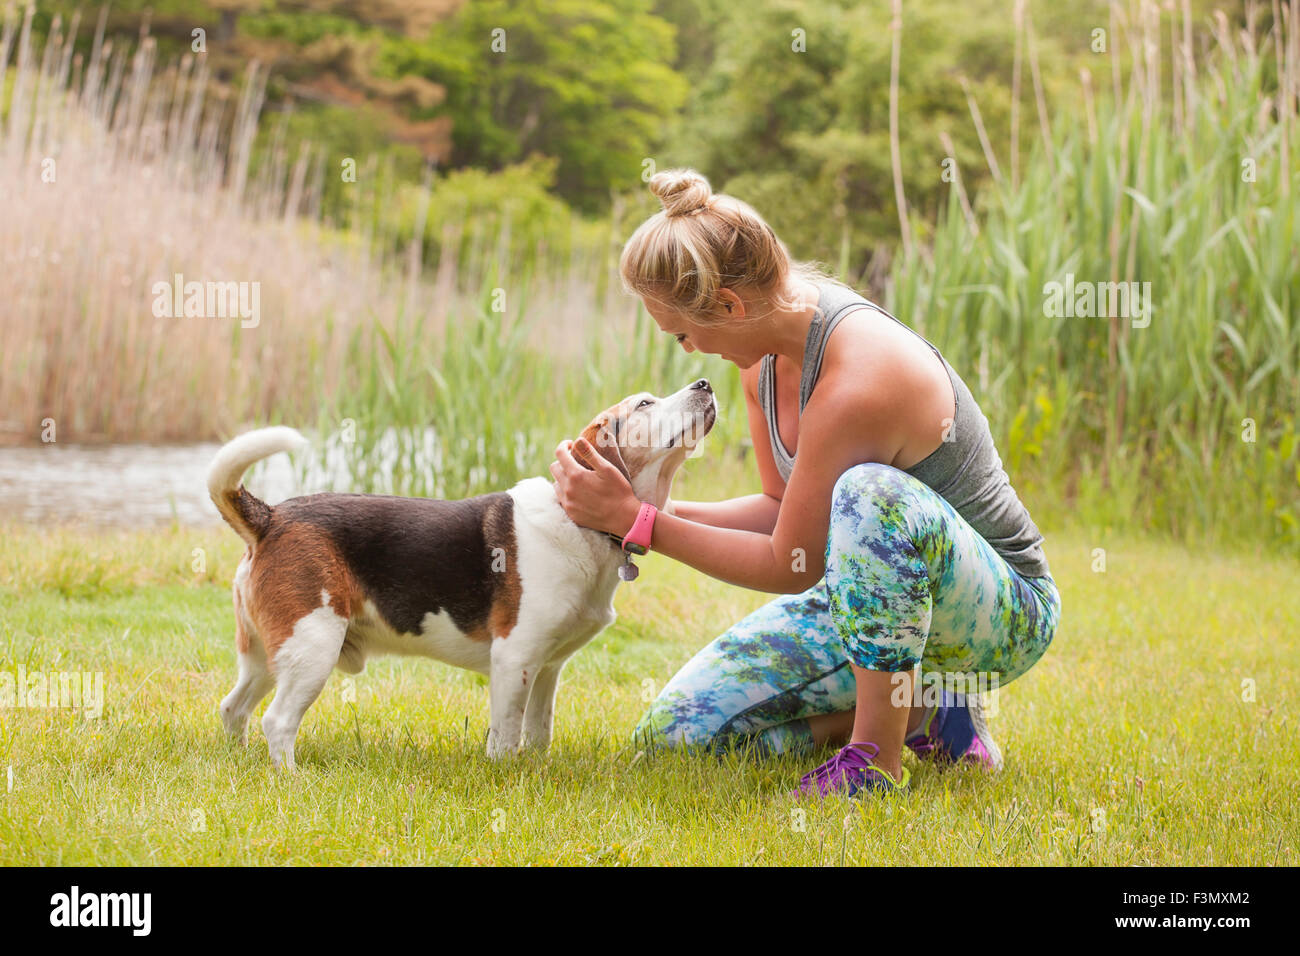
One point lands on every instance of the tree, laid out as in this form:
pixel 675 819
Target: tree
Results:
pixel 587 82
pixel 792 114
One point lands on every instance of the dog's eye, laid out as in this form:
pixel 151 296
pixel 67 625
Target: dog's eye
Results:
pixel 681 337
pixel 644 402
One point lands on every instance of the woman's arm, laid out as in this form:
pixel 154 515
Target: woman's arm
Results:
pixel 751 512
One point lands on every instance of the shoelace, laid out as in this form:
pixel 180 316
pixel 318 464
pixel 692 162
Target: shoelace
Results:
pixel 833 771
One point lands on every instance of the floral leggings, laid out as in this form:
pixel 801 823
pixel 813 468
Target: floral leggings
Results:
pixel 908 582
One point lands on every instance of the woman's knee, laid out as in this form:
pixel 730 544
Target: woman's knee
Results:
pixel 865 475
pixel 874 488
pixel 784 646
pixel 673 720
pixel 691 708
pixel 875 504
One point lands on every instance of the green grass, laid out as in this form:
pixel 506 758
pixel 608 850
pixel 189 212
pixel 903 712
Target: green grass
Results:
pixel 1136 711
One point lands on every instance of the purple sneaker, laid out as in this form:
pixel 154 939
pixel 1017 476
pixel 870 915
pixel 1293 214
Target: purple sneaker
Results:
pixel 849 772
pixel 955 729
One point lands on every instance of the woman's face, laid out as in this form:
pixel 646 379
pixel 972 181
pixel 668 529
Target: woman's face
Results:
pixel 721 336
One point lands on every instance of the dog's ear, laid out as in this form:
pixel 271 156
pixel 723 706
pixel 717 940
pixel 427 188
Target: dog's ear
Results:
pixel 601 438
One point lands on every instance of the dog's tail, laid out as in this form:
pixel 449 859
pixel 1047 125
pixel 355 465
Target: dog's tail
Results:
pixel 249 516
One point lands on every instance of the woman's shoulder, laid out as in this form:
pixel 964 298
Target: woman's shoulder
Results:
pixel 866 341
pixel 881 362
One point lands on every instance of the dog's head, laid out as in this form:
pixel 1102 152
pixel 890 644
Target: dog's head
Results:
pixel 648 438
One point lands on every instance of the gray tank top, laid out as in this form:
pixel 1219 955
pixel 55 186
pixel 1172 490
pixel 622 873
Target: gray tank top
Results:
pixel 965 469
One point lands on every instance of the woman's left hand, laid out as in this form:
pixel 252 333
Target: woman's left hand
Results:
pixel 599 498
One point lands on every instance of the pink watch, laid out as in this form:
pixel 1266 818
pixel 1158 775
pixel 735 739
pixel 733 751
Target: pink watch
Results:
pixel 637 541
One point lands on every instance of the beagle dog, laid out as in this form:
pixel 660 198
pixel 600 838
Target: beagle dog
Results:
pixel 504 583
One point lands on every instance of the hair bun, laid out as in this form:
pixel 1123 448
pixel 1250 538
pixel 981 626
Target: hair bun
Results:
pixel 682 191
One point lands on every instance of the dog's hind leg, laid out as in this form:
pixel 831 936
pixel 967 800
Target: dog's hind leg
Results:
pixel 302 666
pixel 254 682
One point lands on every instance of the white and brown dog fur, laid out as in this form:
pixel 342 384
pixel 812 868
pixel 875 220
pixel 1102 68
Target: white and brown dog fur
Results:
pixel 504 583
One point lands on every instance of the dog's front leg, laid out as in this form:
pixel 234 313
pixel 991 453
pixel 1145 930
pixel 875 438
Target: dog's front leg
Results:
pixel 540 715
pixel 513 673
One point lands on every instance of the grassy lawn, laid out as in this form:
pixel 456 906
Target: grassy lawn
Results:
pixel 1129 743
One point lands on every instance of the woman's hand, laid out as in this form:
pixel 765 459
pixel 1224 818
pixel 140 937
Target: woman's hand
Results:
pixel 599 498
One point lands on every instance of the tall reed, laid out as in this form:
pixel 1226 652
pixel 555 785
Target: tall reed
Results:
pixel 119 174
pixel 1186 423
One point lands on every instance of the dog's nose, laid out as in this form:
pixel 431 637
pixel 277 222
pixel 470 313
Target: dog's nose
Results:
pixel 704 384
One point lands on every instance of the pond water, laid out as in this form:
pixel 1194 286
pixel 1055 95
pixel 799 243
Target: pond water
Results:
pixel 148 485
pixel 122 485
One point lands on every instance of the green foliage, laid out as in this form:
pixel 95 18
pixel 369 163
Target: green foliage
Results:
pixel 793 113
pixel 329 135
pixel 1185 423
pixel 512 210
pixel 585 82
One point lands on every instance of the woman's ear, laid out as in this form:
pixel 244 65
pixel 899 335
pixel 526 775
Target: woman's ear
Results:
pixel 601 438
pixel 732 303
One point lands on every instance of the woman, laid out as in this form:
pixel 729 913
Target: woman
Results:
pixel 886 520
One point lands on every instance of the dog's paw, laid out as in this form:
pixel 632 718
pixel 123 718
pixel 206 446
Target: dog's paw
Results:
pixel 536 744
pixel 499 748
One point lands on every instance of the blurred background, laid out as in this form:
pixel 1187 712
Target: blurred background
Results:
pixel 431 195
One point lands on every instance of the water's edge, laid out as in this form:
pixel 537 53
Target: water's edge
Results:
pixel 122 485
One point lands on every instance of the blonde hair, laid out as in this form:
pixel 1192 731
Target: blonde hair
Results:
pixel 700 243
